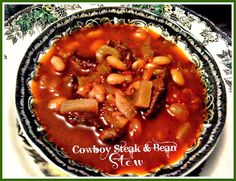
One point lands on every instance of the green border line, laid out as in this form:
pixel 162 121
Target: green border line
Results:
pixel 133 1
pixel 100 1
pixel 1 91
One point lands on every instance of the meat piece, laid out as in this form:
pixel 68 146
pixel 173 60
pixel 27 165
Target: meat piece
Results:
pixel 117 128
pixel 69 85
pixel 126 54
pixel 109 135
pixel 116 125
pixel 81 65
pixel 83 118
pixel 158 94
pixel 125 106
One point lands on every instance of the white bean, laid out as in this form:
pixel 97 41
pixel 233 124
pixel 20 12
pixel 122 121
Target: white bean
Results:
pixel 83 90
pixel 161 60
pixel 116 63
pixel 179 111
pixel 177 77
pixel 150 66
pixel 58 63
pixel 114 79
pixel 138 64
pixel 99 92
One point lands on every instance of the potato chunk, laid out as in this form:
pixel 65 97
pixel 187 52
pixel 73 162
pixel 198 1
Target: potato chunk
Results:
pixel 142 97
pixel 80 105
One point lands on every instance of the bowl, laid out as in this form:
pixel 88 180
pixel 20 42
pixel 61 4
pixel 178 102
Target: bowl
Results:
pixel 198 54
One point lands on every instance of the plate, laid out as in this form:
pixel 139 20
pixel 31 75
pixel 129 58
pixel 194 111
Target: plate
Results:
pixel 205 64
pixel 18 36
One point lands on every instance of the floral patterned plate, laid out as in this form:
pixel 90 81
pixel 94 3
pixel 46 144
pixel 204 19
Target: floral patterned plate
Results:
pixel 175 23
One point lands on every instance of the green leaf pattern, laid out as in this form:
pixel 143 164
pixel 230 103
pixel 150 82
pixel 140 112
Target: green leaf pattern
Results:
pixel 39 17
pixel 155 8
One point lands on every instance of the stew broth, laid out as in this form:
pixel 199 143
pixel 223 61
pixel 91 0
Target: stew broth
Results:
pixel 177 121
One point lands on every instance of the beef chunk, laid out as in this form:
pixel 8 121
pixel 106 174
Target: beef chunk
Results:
pixel 81 65
pixel 116 125
pixel 126 54
pixel 82 118
pixel 158 95
pixel 109 135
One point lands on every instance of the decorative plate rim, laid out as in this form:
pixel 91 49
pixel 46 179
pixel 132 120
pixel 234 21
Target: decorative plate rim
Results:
pixel 209 22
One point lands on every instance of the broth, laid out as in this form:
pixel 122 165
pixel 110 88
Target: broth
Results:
pixel 145 143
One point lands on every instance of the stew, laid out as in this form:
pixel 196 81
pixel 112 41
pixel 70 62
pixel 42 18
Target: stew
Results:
pixel 117 97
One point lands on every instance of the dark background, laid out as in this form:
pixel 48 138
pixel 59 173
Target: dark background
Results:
pixel 220 15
